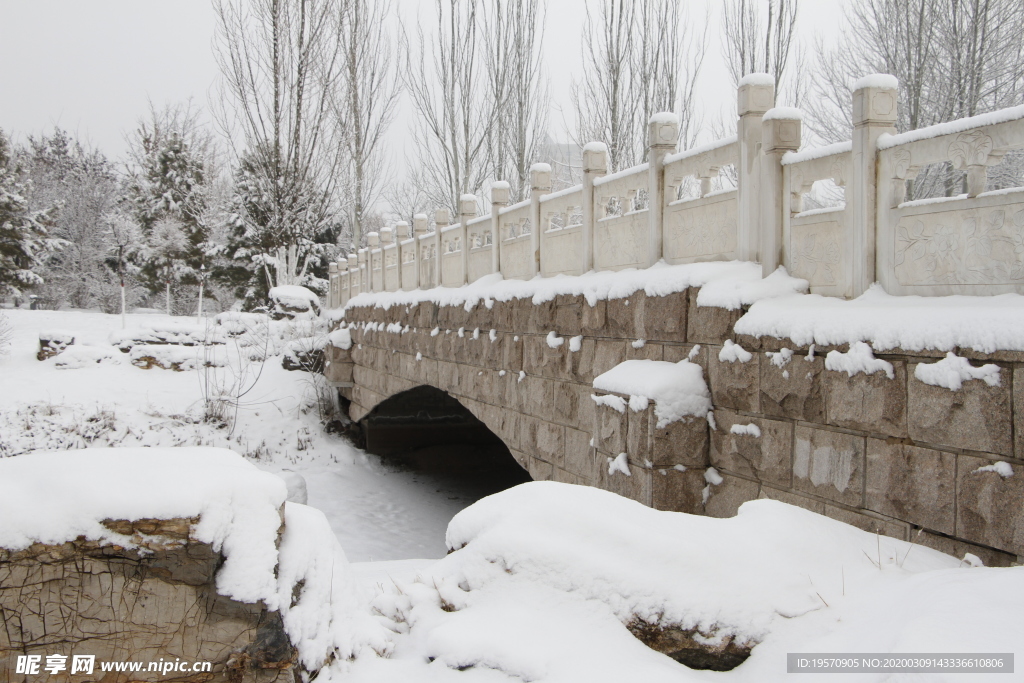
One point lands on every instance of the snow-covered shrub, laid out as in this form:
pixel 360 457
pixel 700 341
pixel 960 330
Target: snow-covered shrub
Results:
pixel 53 342
pixel 6 335
pixel 76 357
pixel 178 358
pixel 292 301
pixel 177 333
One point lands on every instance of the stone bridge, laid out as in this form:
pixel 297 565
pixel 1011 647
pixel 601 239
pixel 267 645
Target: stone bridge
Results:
pixel 895 455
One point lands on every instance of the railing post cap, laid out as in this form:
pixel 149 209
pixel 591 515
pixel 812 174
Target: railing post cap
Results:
pixel 419 223
pixel 442 216
pixel 387 235
pixel 352 259
pixel 540 176
pixel 333 268
pixel 755 94
pixel 402 228
pixel 373 239
pixel 500 191
pixel 467 205
pixel 874 100
pixel 663 130
pixel 595 158
pixel 781 129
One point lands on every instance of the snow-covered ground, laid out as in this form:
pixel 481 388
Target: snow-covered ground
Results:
pixel 377 512
pixel 545 578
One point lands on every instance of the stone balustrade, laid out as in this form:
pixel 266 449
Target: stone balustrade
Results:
pixel 740 198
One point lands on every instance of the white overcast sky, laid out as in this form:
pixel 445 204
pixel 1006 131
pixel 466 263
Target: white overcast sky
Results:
pixel 92 67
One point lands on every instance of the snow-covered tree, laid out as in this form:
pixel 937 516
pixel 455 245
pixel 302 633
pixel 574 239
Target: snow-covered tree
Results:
pixel 125 241
pixel 25 238
pixel 66 173
pixel 282 67
pixel 260 244
pixel 164 254
pixel 172 173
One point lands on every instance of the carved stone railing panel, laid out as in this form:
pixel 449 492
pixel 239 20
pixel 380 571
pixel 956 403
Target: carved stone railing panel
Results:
pixel 817 244
pixel 621 228
pixel 702 229
pixel 480 256
pixel 451 256
pixel 392 274
pixel 408 266
pixel 561 232
pixel 972 243
pixel 428 261
pixel 515 230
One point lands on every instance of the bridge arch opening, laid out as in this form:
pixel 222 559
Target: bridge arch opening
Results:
pixel 428 431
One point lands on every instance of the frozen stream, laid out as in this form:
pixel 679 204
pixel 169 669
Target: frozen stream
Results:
pixel 379 512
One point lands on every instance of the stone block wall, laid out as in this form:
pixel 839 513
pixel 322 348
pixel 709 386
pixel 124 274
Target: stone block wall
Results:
pixel 81 598
pixel 892 455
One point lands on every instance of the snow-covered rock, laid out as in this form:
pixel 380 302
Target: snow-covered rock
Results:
pixel 292 301
pixel 557 583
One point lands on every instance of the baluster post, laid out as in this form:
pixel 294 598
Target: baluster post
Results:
pixel 540 184
pixel 595 165
pixel 755 96
pixel 499 200
pixel 662 137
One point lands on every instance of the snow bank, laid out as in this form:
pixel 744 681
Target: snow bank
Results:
pixel 888 140
pixel 291 299
pixel 77 357
pixel 857 360
pixel 757 79
pixel 913 323
pixel 952 371
pixel 677 389
pixel 735 292
pixel 176 357
pixel 544 575
pixel 341 338
pixel 783 114
pixel 315 593
pixel 741 284
pixel 732 352
pixel 177 332
pixel 886 81
pixel 56 496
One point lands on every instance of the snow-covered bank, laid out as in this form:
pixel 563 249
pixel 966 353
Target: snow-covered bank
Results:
pixel 376 512
pixel 545 578
pixel 60 496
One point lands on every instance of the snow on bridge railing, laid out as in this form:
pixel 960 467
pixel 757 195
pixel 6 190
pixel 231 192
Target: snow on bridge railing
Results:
pixel 740 198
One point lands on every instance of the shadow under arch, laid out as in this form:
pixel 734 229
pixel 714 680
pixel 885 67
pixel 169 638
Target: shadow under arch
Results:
pixel 428 430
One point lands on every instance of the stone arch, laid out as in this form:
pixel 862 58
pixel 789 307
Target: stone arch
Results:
pixel 428 428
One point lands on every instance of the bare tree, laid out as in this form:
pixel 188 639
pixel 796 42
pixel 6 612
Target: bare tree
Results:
pixel 605 109
pixel 281 63
pixel 952 58
pixel 666 62
pixel 449 94
pixel 514 31
pixel 757 42
pixel 366 103
pixel 640 58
